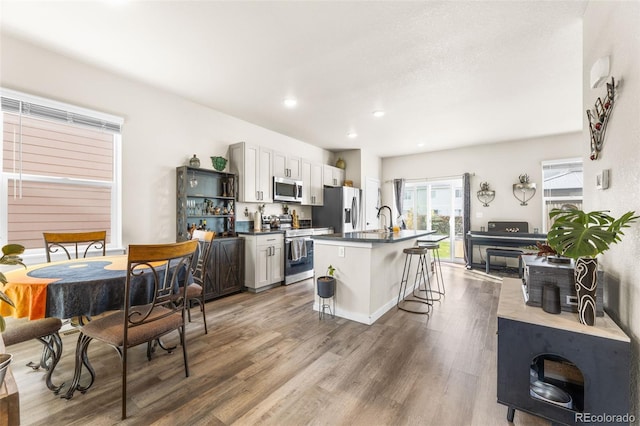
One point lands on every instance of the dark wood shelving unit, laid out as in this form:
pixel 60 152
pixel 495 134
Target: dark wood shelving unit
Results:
pixel 225 274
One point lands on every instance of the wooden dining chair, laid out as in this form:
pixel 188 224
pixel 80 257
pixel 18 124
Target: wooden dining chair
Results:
pixel 55 242
pixel 44 330
pixel 163 270
pixel 195 291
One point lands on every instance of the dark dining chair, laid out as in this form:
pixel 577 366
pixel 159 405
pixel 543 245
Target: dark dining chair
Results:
pixel 195 291
pixel 164 270
pixel 46 331
pixel 55 242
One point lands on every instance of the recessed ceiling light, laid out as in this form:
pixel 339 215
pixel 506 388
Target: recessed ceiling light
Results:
pixel 290 103
pixel 421 144
pixel 352 135
pixel 378 113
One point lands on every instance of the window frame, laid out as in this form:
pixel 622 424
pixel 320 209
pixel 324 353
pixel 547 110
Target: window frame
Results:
pixel 115 243
pixel 545 198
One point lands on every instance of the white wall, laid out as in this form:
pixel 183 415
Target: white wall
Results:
pixel 353 168
pixel 361 164
pixel 613 29
pixel 500 164
pixel 161 131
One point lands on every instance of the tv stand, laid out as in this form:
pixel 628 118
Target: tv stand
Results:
pixel 594 367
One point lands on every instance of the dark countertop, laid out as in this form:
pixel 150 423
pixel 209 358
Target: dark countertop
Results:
pixel 433 238
pixel 373 236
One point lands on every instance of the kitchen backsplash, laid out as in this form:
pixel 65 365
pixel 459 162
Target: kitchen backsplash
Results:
pixel 304 212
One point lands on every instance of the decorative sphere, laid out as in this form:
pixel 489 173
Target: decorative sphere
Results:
pixel 194 161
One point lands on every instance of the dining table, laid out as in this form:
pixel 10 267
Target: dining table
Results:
pixel 68 289
pixel 75 288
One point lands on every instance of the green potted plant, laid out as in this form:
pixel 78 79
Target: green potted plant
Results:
pixel 583 236
pixel 327 283
pixel 10 256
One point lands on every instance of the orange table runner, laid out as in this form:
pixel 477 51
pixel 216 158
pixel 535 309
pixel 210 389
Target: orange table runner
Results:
pixel 29 294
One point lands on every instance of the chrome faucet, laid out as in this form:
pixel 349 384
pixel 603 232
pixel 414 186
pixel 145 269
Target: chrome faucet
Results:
pixel 390 228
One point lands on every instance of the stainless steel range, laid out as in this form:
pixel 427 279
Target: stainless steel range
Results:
pixel 298 261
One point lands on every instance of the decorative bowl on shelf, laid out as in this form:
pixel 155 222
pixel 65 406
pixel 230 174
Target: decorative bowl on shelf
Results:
pixel 219 163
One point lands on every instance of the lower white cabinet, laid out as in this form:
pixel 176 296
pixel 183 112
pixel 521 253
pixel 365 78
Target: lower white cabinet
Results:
pixel 264 261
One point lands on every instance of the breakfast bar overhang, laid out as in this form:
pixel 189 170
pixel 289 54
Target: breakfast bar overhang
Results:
pixel 368 267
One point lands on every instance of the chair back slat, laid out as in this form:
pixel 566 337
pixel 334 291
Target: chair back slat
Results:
pixel 63 241
pixel 205 239
pixel 163 270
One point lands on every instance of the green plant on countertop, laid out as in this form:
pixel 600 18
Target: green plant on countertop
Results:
pixel 577 234
pixel 10 256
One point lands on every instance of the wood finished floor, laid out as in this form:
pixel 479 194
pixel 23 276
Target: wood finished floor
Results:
pixel 268 360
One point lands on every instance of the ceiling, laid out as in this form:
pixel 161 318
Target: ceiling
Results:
pixel 446 74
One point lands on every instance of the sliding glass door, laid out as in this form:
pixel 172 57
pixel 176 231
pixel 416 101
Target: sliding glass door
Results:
pixel 437 205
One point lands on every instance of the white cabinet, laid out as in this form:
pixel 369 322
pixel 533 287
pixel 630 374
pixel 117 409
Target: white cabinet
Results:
pixel 254 167
pixel 264 261
pixel 333 176
pixel 312 194
pixel 286 166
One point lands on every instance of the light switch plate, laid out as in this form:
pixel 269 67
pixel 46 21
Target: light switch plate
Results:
pixel 602 179
pixel 340 251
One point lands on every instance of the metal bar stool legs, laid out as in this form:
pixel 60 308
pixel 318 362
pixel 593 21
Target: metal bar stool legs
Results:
pixel 437 268
pixel 421 282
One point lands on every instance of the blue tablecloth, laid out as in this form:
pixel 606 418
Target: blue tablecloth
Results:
pixel 91 287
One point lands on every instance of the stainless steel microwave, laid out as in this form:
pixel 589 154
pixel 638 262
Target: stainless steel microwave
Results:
pixel 287 190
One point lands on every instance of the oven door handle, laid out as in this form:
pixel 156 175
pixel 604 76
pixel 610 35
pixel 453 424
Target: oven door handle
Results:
pixel 288 240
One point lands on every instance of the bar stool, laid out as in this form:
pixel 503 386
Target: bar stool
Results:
pixel 421 280
pixel 437 267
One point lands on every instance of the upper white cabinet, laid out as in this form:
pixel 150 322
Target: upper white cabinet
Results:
pixel 312 194
pixel 287 166
pixel 254 167
pixel 333 176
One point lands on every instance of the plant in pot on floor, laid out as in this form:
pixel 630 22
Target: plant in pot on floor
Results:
pixel 10 256
pixel 327 283
pixel 583 236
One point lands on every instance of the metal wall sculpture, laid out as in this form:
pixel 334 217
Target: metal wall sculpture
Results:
pixel 598 118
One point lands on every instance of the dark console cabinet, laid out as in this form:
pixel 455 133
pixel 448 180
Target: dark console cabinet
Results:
pixel 599 356
pixel 225 273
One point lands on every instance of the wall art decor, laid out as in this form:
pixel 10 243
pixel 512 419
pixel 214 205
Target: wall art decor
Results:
pixel 598 118
pixel 524 190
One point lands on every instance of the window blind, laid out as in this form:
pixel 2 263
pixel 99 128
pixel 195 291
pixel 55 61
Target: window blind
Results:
pixel 59 169
pixel 32 109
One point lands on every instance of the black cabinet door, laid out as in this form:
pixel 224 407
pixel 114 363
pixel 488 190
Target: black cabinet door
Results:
pixel 210 284
pixel 225 270
pixel 230 266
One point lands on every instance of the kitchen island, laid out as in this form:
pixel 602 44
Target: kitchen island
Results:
pixel 368 267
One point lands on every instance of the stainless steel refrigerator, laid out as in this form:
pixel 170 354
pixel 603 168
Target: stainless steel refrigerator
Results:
pixel 342 210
